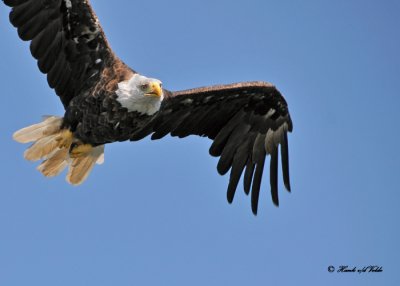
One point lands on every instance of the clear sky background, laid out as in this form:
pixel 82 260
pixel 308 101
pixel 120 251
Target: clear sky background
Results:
pixel 156 213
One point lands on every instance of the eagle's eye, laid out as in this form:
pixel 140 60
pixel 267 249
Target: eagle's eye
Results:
pixel 144 86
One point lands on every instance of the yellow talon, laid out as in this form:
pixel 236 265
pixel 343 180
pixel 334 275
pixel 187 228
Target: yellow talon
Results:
pixel 81 150
pixel 65 139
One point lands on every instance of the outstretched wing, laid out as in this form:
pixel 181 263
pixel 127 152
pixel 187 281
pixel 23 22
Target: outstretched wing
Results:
pixel 67 41
pixel 247 121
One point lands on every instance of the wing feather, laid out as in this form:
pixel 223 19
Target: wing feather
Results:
pixel 24 12
pixel 53 77
pixel 285 161
pixel 185 127
pixel 166 126
pixel 42 41
pixel 273 177
pixel 234 141
pixel 67 41
pixel 14 2
pixel 246 121
pixel 248 175
pixel 238 165
pixel 33 26
pixel 46 62
pixel 255 190
pixel 223 135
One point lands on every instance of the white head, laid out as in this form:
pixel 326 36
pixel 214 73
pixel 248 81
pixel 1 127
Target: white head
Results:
pixel 141 94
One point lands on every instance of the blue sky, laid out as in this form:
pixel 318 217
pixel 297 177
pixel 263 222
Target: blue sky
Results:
pixel 156 213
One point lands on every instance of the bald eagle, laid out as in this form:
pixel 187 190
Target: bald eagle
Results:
pixel 106 101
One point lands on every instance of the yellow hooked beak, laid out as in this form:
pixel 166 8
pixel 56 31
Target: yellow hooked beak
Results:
pixel 154 89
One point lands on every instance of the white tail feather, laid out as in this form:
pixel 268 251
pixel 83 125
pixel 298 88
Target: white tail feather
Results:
pixel 35 132
pixel 55 164
pixel 100 160
pixel 52 144
pixel 80 167
pixel 42 148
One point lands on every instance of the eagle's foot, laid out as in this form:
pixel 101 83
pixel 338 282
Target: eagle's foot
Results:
pixel 80 150
pixel 65 139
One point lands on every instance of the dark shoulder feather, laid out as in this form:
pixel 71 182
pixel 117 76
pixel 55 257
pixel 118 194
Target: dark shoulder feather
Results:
pixel 247 121
pixel 67 41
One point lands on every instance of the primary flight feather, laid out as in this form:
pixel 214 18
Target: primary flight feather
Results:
pixel 106 101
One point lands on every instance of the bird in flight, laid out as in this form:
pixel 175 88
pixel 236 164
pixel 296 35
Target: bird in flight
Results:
pixel 106 101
